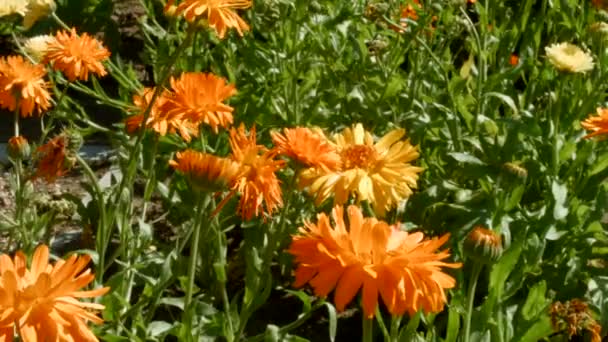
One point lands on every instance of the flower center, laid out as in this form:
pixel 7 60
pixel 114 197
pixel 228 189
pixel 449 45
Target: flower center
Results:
pixel 359 156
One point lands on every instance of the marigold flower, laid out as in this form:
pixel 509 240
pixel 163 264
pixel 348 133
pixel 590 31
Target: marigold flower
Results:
pixel 220 15
pixel 8 7
pixel 76 55
pixel 197 98
pixel 379 172
pixel 22 84
pixel 205 172
pixel 574 317
pixel 37 9
pixel 42 303
pixel 18 148
pixel 52 159
pixel 36 47
pixel 377 258
pixel 569 57
pixel 483 245
pixel 257 182
pixel 308 147
pixel 514 60
pixel 596 125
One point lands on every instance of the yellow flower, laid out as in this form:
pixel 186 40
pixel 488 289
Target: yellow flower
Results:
pixel 368 254
pixel 8 7
pixel 43 303
pixel 378 172
pixel 37 9
pixel 569 57
pixel 37 46
pixel 205 171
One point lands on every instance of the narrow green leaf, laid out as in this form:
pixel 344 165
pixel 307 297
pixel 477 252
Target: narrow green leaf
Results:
pixel 333 321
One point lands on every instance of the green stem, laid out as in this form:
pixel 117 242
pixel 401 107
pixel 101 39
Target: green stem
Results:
pixel 395 323
pixel 18 190
pixel 381 324
pixel 470 299
pixel 151 180
pixel 194 248
pixel 368 329
pixel 59 21
pixel 301 319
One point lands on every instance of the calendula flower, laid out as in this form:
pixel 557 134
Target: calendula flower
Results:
pixel 36 47
pixel 569 57
pixel 197 98
pixel 483 245
pixel 206 172
pixel 220 15
pixel 18 148
pixel 573 317
pixel 514 60
pixel 363 253
pixel 308 147
pixel 257 182
pixel 52 159
pixel 22 84
pixel 42 303
pixel 76 55
pixel 596 125
pixel 37 9
pixel 378 172
pixel 8 7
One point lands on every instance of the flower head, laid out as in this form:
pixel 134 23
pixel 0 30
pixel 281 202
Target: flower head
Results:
pixel 375 171
pixel 8 7
pixel 574 317
pixel 18 148
pixel 569 57
pixel 52 159
pixel 37 9
pixel 205 171
pixel 197 98
pixel 483 245
pixel 309 147
pixel 42 303
pixel 596 125
pixel 257 182
pixel 368 254
pixel 76 55
pixel 220 15
pixel 37 46
pixel 22 84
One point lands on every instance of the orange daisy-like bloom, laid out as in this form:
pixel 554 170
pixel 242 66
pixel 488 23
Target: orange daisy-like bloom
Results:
pixel 309 147
pixel 205 171
pixel 198 98
pixel 76 55
pixel 51 158
pixel 378 172
pixel 597 125
pixel 257 182
pixel 377 258
pixel 42 303
pixel 22 84
pixel 220 15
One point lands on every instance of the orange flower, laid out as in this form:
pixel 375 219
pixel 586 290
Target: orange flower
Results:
pixel 597 125
pixel 309 147
pixel 601 4
pixel 205 171
pixel 42 303
pixel 220 15
pixel 574 317
pixel 22 84
pixel 514 60
pixel 198 98
pixel 52 161
pixel 76 55
pixel 370 255
pixel 257 182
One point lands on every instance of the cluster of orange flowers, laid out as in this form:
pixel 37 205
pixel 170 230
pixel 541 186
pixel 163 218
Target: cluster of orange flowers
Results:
pixel 41 303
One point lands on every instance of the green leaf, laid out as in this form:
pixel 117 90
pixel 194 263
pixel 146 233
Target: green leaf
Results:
pixel 157 328
pixel 466 158
pixel 560 192
pixel 506 99
pixel 538 331
pixel 514 197
pixel 600 165
pixel 536 302
pixel 333 321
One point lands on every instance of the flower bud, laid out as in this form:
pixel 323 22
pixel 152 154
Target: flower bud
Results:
pixel 483 245
pixel 515 169
pixel 18 148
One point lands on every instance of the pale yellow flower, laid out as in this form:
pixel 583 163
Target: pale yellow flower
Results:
pixel 8 7
pixel 37 9
pixel 569 57
pixel 37 46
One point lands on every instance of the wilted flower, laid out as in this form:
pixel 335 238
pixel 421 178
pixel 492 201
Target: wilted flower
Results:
pixel 597 125
pixel 378 172
pixel 76 55
pixel 569 57
pixel 368 254
pixel 257 183
pixel 483 245
pixel 22 84
pixel 52 161
pixel 43 303
pixel 18 148
pixel 308 147
pixel 37 9
pixel 37 46
pixel 574 317
pixel 205 172
pixel 220 15
pixel 197 98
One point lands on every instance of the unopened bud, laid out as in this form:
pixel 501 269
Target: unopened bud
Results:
pixel 483 245
pixel 18 148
